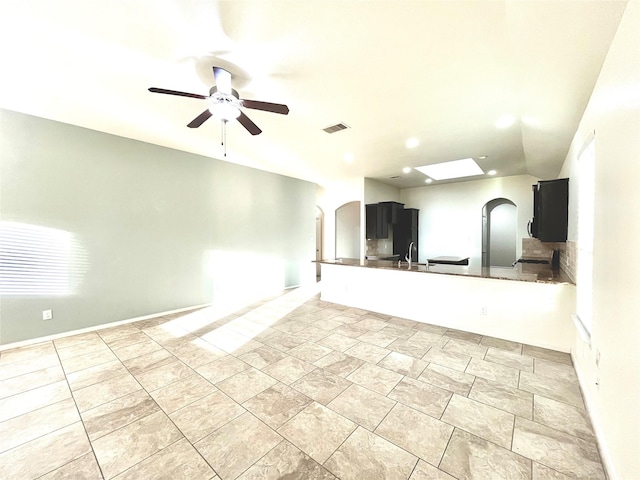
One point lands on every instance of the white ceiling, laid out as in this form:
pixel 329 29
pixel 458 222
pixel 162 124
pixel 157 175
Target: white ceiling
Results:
pixel 442 71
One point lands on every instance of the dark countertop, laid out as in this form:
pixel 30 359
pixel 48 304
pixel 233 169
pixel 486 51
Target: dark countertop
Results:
pixel 520 272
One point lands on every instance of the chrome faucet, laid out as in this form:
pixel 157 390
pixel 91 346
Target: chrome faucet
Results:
pixel 408 255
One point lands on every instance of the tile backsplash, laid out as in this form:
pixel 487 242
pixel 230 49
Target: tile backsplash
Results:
pixel 381 246
pixel 568 260
pixel 534 248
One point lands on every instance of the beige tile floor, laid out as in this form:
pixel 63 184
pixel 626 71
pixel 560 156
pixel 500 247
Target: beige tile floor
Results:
pixel 291 388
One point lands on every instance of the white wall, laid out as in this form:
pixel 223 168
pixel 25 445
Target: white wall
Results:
pixel 450 221
pixel 375 192
pixel 612 385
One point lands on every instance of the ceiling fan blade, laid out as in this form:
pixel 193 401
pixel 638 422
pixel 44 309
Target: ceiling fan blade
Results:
pixel 249 125
pixel 200 119
pixel 180 94
pixel 266 106
pixel 223 80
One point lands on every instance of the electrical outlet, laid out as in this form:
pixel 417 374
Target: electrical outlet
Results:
pixel 483 310
pixel 47 314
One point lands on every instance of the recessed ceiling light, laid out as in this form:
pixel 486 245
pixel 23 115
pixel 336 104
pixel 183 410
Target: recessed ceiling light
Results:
pixel 413 142
pixel 466 167
pixel 505 121
pixel 348 157
pixel 482 157
pixel 406 169
pixel 428 180
pixel 491 172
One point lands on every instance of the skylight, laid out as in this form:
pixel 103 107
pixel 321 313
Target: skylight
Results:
pixel 456 169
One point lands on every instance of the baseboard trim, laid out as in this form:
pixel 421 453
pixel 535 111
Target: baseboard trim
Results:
pixel 33 341
pixel 607 462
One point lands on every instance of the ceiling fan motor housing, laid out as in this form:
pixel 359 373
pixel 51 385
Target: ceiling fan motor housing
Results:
pixel 213 90
pixel 224 105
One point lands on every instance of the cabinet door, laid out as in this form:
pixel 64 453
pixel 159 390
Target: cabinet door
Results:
pixel 553 210
pixel 371 214
pixel 405 232
pixel 382 227
pixel 394 210
pixel 377 223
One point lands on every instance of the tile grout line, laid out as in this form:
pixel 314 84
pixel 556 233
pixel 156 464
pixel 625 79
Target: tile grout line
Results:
pixel 138 419
pixel 160 409
pixel 84 427
pixel 445 450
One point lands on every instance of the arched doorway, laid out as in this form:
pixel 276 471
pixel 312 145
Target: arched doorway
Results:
pixel 499 233
pixel 348 230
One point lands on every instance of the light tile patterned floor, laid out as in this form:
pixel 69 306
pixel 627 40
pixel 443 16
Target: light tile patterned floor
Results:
pixel 291 387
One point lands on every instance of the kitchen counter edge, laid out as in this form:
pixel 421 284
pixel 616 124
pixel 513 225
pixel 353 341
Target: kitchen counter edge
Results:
pixel 520 272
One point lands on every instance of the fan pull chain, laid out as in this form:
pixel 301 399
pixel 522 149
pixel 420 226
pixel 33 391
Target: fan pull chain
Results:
pixel 223 135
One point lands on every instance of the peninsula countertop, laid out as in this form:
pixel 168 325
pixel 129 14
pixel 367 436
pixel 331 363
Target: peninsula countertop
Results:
pixel 520 272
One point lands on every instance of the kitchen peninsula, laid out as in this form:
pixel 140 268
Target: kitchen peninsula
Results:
pixel 527 303
pixel 519 272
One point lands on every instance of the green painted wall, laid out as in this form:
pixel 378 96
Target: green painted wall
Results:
pixel 149 229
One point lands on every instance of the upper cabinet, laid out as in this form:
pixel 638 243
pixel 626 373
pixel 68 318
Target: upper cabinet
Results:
pixel 379 216
pixel 377 225
pixel 550 210
pixel 393 211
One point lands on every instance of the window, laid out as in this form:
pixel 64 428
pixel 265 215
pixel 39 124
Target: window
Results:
pixel 584 273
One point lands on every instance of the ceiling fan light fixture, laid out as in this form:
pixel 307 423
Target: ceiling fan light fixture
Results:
pixel 224 111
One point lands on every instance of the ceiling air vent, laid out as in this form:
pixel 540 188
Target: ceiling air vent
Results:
pixel 336 128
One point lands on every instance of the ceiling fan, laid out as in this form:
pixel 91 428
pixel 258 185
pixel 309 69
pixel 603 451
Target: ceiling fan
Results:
pixel 226 104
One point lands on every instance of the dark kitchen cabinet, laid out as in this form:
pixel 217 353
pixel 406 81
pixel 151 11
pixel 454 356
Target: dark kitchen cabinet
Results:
pixel 393 211
pixel 406 231
pixel 550 210
pixel 377 223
